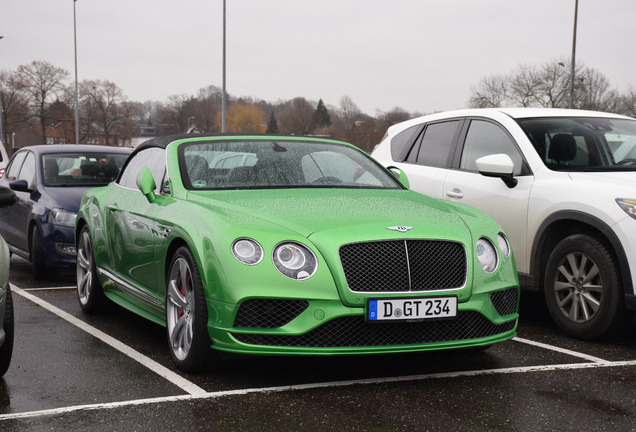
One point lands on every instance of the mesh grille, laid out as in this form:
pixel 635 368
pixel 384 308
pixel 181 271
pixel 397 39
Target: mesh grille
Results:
pixel 353 331
pixel 403 266
pixel 505 302
pixel 268 313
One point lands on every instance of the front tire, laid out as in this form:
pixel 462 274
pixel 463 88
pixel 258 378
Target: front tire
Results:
pixel 6 350
pixel 89 291
pixel 583 289
pixel 186 314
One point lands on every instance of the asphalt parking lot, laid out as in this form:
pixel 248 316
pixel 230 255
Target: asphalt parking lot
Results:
pixel 112 372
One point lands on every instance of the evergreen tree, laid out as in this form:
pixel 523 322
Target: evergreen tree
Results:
pixel 321 116
pixel 272 125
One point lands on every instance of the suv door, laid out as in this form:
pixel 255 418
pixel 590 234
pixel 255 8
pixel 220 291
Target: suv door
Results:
pixel 426 161
pixel 465 184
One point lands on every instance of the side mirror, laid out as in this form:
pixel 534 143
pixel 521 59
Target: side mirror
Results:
pixel 146 184
pixel 20 186
pixel 498 165
pixel 400 175
pixel 7 197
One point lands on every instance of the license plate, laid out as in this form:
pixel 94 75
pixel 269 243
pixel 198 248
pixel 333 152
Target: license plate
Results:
pixel 411 309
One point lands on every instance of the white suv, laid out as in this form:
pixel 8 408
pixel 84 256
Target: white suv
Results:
pixel 562 184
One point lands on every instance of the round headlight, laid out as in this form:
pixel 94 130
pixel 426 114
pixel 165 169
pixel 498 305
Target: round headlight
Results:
pixel 487 255
pixel 247 251
pixel 504 246
pixel 295 261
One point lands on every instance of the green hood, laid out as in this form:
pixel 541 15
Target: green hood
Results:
pixel 347 214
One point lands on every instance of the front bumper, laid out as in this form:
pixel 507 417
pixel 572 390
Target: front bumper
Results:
pixel 330 328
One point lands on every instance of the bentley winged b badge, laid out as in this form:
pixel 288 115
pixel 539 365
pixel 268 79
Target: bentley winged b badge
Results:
pixel 400 228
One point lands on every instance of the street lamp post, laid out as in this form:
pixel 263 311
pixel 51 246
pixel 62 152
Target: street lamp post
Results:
pixel 224 97
pixel 76 92
pixel 576 11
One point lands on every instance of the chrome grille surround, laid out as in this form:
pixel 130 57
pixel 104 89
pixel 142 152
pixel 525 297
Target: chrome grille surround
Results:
pixel 395 266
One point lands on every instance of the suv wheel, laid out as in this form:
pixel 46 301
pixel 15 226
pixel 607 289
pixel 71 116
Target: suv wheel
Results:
pixel 583 288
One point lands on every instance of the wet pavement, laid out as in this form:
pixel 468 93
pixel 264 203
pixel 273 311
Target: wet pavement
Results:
pixel 112 372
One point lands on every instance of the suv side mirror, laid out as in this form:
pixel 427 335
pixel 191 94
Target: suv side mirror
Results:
pixel 498 165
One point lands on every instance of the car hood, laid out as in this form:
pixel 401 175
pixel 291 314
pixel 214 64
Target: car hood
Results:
pixel 346 214
pixel 67 198
pixel 619 182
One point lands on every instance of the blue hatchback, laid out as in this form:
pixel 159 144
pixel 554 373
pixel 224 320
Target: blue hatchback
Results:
pixel 49 181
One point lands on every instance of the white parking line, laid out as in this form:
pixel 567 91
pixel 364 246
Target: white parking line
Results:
pixel 61 288
pixel 561 350
pixel 196 393
pixel 312 386
pixel 164 372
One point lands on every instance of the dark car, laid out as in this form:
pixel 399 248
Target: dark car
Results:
pixel 7 197
pixel 49 181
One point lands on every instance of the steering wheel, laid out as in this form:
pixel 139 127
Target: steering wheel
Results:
pixel 327 180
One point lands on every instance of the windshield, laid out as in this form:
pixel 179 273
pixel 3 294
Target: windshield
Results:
pixel 81 169
pixel 257 164
pixel 583 143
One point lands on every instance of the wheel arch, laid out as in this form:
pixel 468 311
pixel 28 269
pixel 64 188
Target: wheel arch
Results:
pixel 565 223
pixel 33 223
pixel 80 223
pixel 175 244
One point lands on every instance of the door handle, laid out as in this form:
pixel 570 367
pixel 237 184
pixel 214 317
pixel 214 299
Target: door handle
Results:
pixel 455 193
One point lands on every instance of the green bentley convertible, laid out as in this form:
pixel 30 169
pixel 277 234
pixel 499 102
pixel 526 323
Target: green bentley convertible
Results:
pixel 279 245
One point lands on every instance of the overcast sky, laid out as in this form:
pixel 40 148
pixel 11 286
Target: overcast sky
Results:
pixel 419 55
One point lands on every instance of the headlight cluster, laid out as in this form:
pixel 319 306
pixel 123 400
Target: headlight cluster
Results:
pixel 247 251
pixel 628 206
pixel 487 252
pixel 291 259
pixel 63 217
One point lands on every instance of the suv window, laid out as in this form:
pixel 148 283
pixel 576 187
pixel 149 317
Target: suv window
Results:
pixel 434 144
pixel 400 141
pixel 485 138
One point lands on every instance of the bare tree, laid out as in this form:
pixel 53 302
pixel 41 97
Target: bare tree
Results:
pixel 627 103
pixel 15 105
pixel 547 85
pixel 349 111
pixel 41 81
pixel 490 92
pixel 553 85
pixel 592 91
pixel 523 86
pixel 103 105
pixel 297 117
pixel 206 107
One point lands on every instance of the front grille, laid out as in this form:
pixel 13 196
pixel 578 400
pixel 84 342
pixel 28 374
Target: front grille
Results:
pixel 505 302
pixel 404 265
pixel 354 331
pixel 268 313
